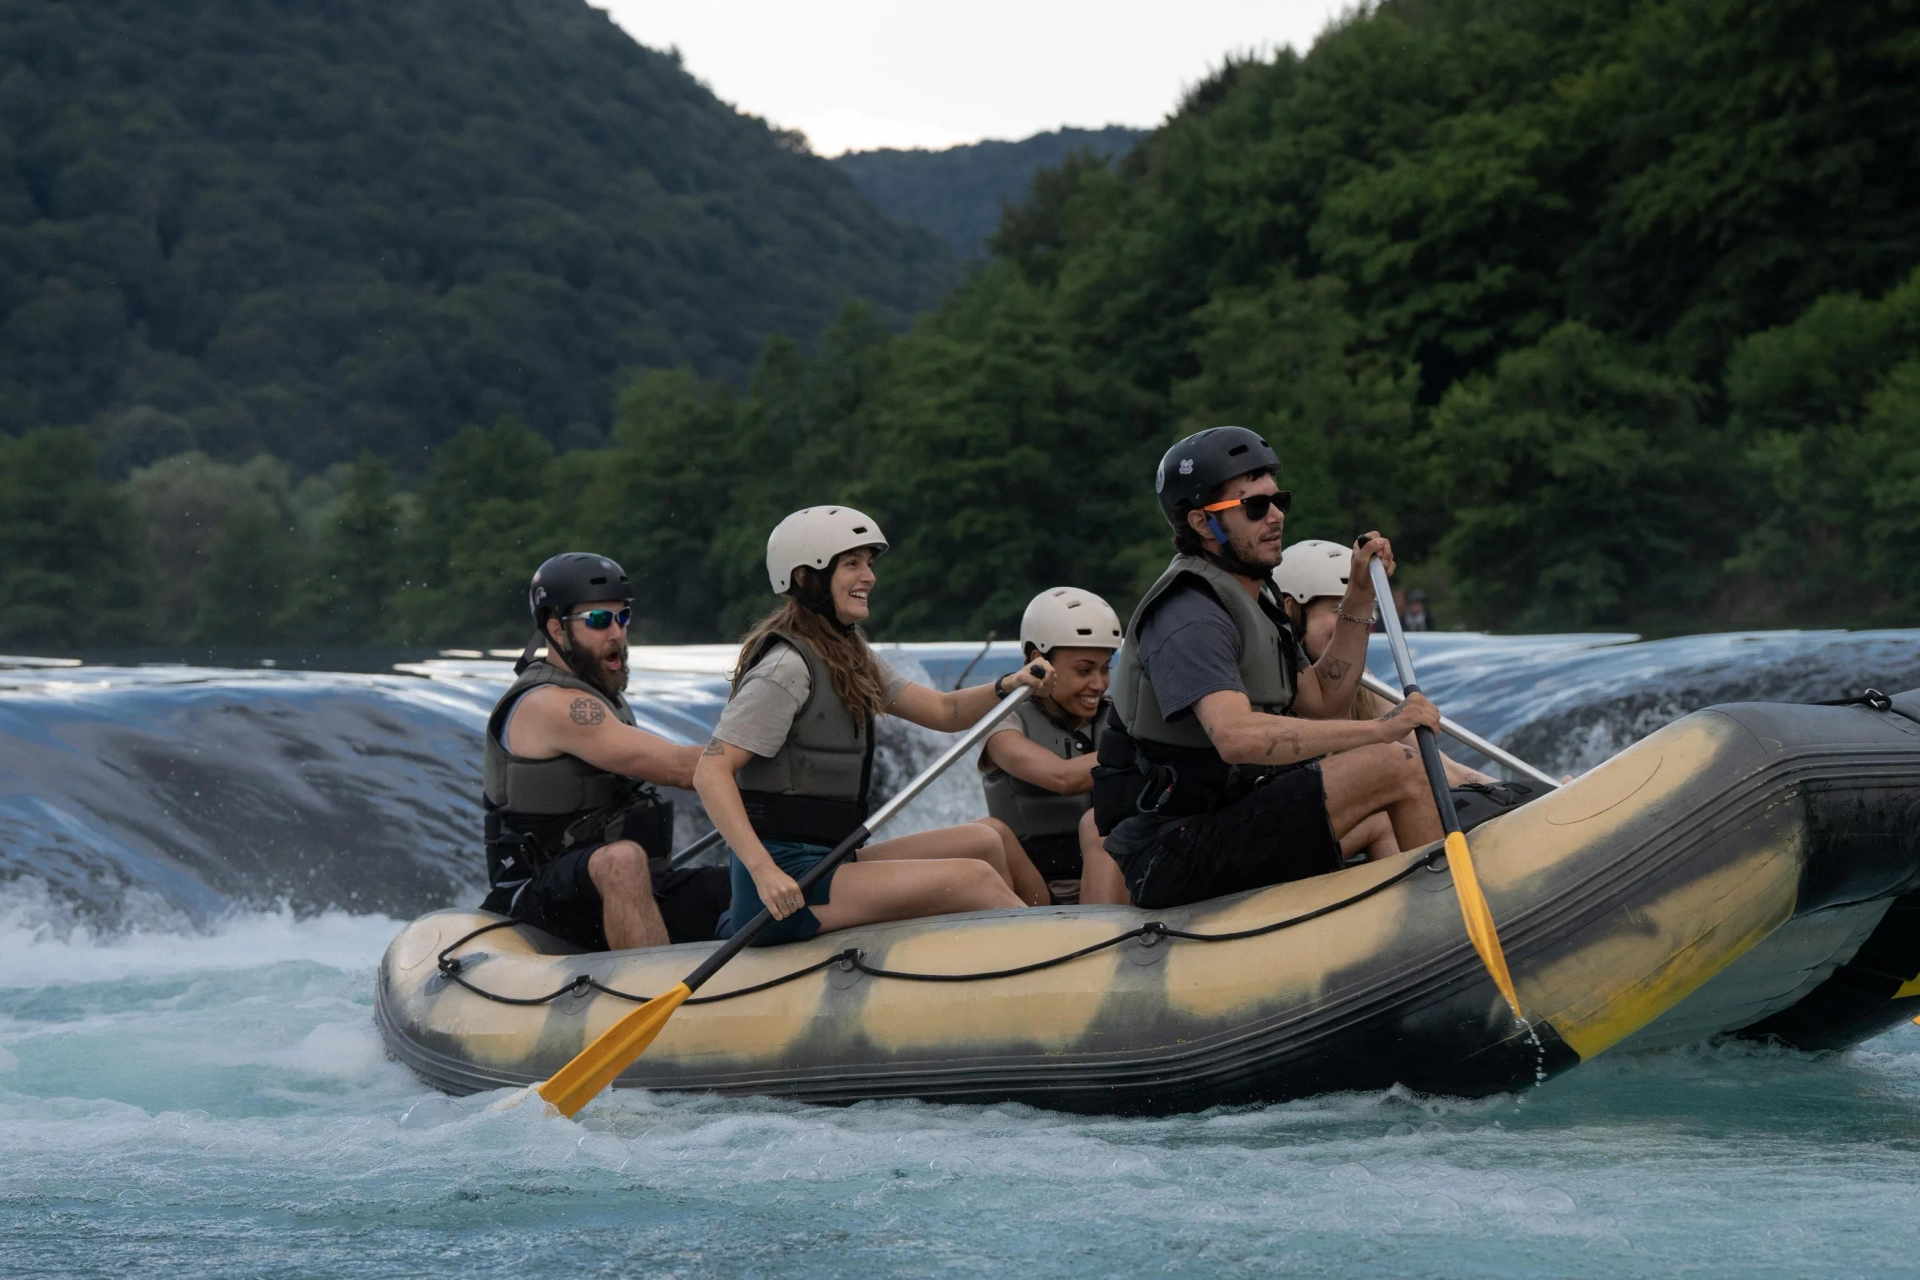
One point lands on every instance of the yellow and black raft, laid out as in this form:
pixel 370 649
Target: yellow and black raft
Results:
pixel 1749 870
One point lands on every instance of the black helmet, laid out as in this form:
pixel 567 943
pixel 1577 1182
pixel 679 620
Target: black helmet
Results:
pixel 571 578
pixel 1190 471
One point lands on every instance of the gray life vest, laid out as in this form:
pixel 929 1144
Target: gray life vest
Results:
pixel 538 809
pixel 1032 811
pixel 814 789
pixel 1192 777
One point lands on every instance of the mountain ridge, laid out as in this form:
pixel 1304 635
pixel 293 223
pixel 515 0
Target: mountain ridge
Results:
pixel 318 229
pixel 958 193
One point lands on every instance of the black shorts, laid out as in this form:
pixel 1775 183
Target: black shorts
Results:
pixel 1057 859
pixel 1054 857
pixel 563 900
pixel 1277 832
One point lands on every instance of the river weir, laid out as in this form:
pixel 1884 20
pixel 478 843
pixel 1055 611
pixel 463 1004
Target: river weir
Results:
pixel 203 866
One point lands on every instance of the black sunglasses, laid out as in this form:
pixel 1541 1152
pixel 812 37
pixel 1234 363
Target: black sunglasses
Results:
pixel 600 619
pixel 1256 504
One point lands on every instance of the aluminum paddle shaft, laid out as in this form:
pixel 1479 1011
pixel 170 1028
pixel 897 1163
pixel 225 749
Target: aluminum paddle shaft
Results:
pixel 1466 880
pixel 969 741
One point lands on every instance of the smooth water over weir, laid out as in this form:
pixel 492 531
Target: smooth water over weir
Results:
pixel 190 1078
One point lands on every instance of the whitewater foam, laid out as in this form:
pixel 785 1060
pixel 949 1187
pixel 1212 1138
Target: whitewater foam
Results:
pixel 202 1089
pixel 43 942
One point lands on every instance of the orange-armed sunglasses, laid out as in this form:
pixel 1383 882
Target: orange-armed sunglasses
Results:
pixel 1256 504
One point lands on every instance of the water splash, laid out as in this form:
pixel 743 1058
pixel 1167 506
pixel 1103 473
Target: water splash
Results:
pixel 190 1079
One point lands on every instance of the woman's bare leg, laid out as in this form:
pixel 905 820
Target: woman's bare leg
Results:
pixel 1025 877
pixel 968 840
pixel 1100 880
pixel 1375 835
pixel 869 892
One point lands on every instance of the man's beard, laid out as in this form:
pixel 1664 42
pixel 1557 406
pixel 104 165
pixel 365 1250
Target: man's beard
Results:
pixel 1230 559
pixel 590 669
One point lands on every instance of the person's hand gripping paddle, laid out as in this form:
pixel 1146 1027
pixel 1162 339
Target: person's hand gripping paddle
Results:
pixel 1466 884
pixel 596 1066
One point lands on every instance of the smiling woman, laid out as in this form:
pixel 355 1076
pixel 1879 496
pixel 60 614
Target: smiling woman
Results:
pixel 788 772
pixel 1037 767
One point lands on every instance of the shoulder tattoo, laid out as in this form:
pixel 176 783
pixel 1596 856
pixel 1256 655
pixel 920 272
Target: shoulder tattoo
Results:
pixel 588 711
pixel 713 747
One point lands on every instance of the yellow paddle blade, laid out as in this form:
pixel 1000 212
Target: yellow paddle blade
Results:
pixel 1479 918
pixel 594 1067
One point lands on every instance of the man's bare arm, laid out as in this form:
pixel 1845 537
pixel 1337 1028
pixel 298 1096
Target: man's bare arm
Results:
pixel 552 721
pixel 1028 761
pixel 1244 736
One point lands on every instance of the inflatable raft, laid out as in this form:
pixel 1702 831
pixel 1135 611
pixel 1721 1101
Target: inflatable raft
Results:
pixel 1748 870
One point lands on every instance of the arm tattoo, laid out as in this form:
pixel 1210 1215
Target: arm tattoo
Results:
pixel 1394 714
pixel 588 711
pixel 1337 670
pixel 1290 737
pixel 713 747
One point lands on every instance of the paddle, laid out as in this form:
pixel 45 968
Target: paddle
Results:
pixel 1466 884
pixel 594 1068
pixel 1466 737
pixel 693 850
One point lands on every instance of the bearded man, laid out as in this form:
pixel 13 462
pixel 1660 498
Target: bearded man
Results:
pixel 1236 764
pixel 577 841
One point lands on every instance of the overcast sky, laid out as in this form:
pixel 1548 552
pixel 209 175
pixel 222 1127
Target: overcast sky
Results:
pixel 857 74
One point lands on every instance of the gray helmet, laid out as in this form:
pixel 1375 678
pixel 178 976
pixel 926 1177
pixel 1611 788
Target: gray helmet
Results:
pixel 573 578
pixel 1190 471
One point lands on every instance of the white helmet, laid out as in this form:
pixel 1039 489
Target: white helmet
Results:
pixel 1314 567
pixel 1067 617
pixel 813 536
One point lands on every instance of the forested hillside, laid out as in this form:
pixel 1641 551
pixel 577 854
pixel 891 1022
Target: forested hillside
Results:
pixel 959 192
pixel 1606 309
pixel 318 229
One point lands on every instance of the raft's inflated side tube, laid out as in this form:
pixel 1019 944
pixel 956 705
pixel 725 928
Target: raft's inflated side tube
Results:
pixel 1713 876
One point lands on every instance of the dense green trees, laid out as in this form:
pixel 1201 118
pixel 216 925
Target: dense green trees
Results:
pixel 1608 312
pixel 1828 409
pixel 73 566
pixel 318 230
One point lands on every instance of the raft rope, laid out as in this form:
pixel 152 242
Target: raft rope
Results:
pixel 853 959
pixel 1871 698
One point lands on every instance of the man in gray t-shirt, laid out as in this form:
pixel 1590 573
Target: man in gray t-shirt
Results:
pixel 1191 648
pixel 1280 782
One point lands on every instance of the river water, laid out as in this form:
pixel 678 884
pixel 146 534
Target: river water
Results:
pixel 199 869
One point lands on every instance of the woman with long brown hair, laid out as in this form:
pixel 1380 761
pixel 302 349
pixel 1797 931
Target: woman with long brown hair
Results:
pixel 787 773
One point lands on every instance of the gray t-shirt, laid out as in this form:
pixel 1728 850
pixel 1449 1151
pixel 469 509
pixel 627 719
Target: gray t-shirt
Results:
pixel 1190 648
pixel 760 714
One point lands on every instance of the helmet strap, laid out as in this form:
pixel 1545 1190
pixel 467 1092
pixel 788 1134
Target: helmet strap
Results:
pixel 526 654
pixel 1228 559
